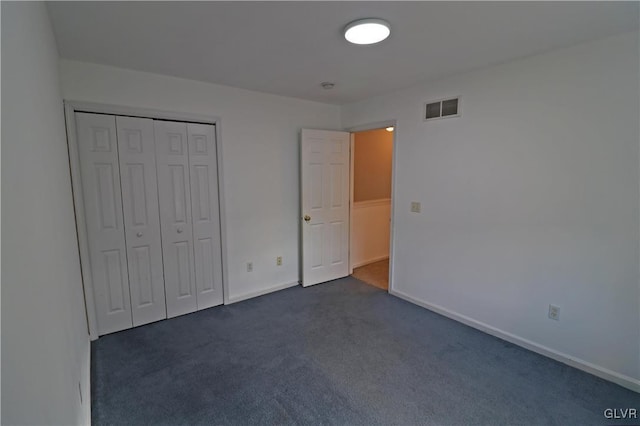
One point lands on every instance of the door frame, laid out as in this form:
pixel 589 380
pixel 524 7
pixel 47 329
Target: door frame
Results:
pixel 70 108
pixel 362 128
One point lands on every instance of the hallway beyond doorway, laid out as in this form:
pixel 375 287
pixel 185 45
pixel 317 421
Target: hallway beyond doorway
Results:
pixel 375 274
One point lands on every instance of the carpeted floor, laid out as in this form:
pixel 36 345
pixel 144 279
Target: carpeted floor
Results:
pixel 376 274
pixel 336 353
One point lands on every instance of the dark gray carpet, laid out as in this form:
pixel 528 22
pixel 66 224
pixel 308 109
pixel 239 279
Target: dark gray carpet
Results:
pixel 336 353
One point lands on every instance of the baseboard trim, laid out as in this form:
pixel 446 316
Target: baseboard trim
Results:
pixel 596 370
pixel 250 295
pixel 369 261
pixel 85 387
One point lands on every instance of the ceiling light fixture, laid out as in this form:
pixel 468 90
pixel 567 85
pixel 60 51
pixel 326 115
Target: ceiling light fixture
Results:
pixel 327 85
pixel 389 129
pixel 367 31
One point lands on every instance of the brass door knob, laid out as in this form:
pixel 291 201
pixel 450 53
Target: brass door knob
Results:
pixel 307 218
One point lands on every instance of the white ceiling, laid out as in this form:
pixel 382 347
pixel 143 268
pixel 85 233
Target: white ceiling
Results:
pixel 289 48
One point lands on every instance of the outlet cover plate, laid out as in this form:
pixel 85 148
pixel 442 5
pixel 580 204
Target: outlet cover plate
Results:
pixel 554 312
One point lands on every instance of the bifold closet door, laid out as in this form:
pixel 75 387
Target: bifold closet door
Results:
pixel 205 213
pixel 136 151
pixel 172 161
pixel 100 172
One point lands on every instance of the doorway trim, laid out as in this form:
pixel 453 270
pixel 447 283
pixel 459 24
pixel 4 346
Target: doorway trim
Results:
pixel 70 108
pixel 362 128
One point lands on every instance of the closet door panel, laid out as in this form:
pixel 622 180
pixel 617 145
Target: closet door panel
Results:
pixel 99 168
pixel 136 149
pixel 205 214
pixel 172 158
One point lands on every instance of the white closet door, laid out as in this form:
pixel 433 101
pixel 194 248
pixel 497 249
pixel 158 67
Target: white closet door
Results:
pixel 136 150
pixel 97 143
pixel 172 158
pixel 205 214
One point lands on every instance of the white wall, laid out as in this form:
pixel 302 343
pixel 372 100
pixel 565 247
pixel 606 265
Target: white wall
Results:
pixel 530 198
pixel 45 344
pixel 260 144
pixel 370 228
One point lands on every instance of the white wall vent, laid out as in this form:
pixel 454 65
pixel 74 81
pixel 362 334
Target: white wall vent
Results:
pixel 443 108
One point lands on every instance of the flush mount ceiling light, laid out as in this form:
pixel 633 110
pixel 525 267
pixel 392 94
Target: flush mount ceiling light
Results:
pixel 327 85
pixel 389 129
pixel 367 31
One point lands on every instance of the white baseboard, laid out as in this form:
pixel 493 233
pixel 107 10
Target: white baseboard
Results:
pixel 253 294
pixel 604 373
pixel 85 387
pixel 369 261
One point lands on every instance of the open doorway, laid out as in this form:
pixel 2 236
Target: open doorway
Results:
pixel 371 178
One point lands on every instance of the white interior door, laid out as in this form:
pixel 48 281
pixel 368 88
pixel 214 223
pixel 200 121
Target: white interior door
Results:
pixel 205 214
pixel 99 168
pixel 172 157
pixel 136 150
pixel 325 205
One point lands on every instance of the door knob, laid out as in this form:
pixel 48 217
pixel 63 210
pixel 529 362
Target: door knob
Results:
pixel 139 234
pixel 307 218
pixel 180 230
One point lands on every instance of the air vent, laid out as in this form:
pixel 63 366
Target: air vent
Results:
pixel 443 108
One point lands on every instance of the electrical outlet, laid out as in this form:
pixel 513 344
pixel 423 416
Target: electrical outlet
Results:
pixel 415 207
pixel 249 266
pixel 279 260
pixel 554 312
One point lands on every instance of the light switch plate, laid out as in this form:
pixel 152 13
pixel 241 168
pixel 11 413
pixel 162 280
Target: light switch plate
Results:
pixel 415 207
